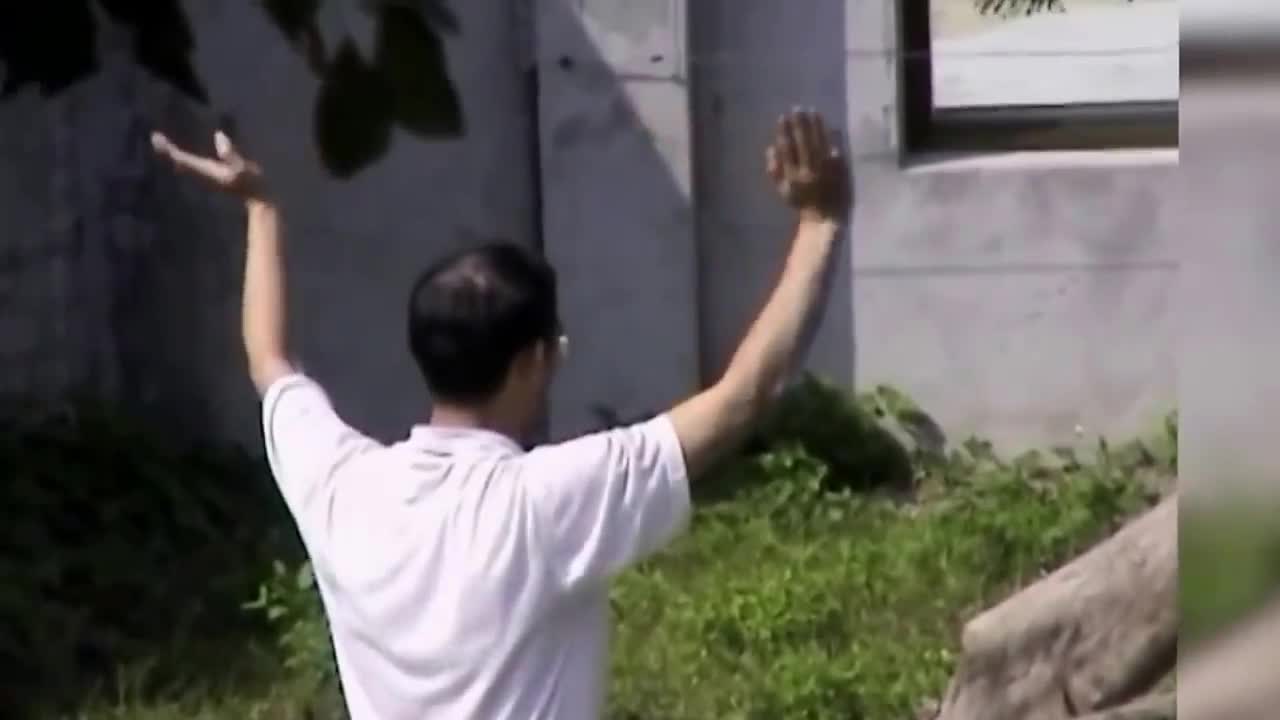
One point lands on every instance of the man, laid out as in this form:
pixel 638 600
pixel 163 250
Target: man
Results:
pixel 464 578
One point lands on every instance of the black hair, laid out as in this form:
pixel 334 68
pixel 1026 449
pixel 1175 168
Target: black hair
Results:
pixel 473 312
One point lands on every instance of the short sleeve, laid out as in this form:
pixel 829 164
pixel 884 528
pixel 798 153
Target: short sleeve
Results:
pixel 608 500
pixel 306 442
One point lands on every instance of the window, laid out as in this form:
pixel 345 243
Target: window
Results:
pixel 988 74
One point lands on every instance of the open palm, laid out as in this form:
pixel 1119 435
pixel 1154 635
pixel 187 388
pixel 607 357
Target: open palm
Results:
pixel 807 168
pixel 228 170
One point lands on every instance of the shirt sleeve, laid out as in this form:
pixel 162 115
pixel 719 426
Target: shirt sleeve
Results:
pixel 307 443
pixel 607 500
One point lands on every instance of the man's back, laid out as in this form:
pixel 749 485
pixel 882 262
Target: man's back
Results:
pixel 467 582
pixel 463 577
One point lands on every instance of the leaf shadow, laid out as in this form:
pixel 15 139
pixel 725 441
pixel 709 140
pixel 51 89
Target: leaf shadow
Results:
pixel 406 85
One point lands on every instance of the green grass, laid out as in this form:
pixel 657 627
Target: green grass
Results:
pixel 1229 566
pixel 800 603
pixel 827 574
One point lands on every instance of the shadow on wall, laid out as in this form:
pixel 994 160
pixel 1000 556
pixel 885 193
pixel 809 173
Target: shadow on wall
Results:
pixel 617 217
pixel 750 64
pixel 355 242
pixel 611 207
pixel 114 72
pixel 655 297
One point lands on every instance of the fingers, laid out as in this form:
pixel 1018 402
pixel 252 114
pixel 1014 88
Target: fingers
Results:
pixel 788 152
pixel 816 133
pixel 834 155
pixel 222 146
pixel 798 134
pixel 771 164
pixel 161 143
pixel 835 142
pixel 221 171
pixel 806 161
pixel 802 143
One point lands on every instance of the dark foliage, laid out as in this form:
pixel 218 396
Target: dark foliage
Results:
pixel 52 45
pixel 118 546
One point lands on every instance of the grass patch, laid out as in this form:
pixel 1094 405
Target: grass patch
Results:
pixel 811 596
pixel 827 575
pixel 1228 565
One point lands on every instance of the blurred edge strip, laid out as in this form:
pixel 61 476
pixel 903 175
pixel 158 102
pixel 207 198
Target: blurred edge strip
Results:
pixel 1215 56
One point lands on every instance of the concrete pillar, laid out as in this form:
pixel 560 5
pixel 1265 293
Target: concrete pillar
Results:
pixel 617 221
pixel 1229 344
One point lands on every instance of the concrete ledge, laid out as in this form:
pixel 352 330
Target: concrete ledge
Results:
pixel 924 163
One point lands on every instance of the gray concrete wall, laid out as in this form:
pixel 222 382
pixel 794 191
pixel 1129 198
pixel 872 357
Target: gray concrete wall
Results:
pixel 617 215
pixel 354 246
pixel 1229 344
pixel 358 244
pixel 1026 297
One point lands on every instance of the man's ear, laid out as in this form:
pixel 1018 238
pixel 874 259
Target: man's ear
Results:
pixel 536 354
pixel 548 353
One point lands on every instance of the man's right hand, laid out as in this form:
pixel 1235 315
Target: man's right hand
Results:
pixel 811 175
pixel 808 169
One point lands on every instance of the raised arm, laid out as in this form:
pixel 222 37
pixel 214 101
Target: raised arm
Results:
pixel 604 501
pixel 307 443
pixel 263 310
pixel 813 177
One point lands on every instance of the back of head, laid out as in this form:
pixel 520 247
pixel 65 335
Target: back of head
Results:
pixel 474 312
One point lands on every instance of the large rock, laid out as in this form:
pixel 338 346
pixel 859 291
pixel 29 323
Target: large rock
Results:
pixel 1089 640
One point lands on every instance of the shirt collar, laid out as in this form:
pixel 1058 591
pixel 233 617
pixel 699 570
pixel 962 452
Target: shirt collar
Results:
pixel 445 440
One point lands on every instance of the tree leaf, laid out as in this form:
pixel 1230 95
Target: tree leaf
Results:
pixel 163 41
pixel 305 579
pixel 435 13
pixel 1014 7
pixel 50 44
pixel 1010 7
pixel 172 67
pixel 291 16
pixel 411 57
pixel 353 114
pixel 296 20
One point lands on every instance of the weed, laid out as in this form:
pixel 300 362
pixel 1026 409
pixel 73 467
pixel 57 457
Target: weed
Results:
pixel 827 574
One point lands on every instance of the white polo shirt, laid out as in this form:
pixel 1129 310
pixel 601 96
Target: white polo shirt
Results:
pixel 463 578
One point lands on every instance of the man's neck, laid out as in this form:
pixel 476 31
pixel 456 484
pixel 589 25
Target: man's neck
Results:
pixel 454 416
